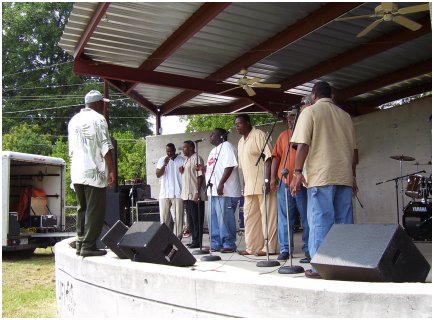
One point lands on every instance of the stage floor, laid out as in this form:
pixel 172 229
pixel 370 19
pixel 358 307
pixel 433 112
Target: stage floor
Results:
pixel 232 287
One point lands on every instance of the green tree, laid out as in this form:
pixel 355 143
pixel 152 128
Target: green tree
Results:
pixel 199 123
pixel 27 139
pixel 60 150
pixel 131 155
pixel 39 86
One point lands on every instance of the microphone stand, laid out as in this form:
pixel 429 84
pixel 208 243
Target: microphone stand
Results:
pixel 200 250
pixel 396 188
pixel 289 269
pixel 268 262
pixel 210 257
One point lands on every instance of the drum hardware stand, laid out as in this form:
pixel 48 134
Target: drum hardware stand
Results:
pixel 268 262
pixel 396 188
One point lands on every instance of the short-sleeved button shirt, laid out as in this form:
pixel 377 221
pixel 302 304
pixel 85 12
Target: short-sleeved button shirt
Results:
pixel 171 180
pixel 280 150
pixel 329 133
pixel 189 178
pixel 249 150
pixel 89 141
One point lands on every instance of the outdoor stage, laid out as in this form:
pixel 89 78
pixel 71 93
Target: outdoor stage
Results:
pixel 232 287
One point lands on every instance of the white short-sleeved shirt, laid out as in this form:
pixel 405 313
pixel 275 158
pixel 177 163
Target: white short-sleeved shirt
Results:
pixel 89 141
pixel 171 180
pixel 221 157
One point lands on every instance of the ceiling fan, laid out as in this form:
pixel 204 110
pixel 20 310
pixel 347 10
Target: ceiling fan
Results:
pixel 389 11
pixel 249 83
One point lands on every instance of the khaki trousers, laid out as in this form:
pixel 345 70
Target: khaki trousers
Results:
pixel 172 209
pixel 255 226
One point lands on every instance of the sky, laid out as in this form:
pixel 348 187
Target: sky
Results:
pixel 170 124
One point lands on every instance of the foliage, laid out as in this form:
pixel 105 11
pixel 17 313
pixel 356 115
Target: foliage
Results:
pixel 28 285
pixel 27 139
pixel 199 123
pixel 38 84
pixel 60 150
pixel 131 156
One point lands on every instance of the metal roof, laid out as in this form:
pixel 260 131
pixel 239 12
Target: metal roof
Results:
pixel 172 58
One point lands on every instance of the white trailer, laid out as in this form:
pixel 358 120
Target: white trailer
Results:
pixel 21 171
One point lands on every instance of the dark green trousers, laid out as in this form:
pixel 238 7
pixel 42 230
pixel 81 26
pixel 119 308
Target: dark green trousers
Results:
pixel 91 203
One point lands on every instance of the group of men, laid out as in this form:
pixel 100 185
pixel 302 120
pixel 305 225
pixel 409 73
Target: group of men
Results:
pixel 310 171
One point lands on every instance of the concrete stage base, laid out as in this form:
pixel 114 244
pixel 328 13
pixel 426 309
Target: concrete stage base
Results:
pixel 232 287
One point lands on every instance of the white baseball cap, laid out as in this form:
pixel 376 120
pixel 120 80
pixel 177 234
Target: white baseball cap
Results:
pixel 94 96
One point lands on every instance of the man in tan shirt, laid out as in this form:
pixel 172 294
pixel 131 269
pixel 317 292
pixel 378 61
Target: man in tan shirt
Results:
pixel 327 147
pixel 193 192
pixel 255 208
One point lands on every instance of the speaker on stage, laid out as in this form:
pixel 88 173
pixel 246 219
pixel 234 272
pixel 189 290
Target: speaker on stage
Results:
pixel 370 252
pixel 153 242
pixel 112 237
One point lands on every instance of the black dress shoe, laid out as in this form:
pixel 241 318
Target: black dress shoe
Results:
pixel 227 250
pixel 194 245
pixel 305 260
pixel 92 252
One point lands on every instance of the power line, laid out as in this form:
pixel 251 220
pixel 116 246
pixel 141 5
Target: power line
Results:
pixel 61 107
pixel 54 87
pixel 25 71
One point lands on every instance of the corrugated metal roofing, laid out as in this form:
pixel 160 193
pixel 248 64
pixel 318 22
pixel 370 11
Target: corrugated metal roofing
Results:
pixel 129 33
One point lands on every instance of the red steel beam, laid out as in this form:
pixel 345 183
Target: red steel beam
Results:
pixel 84 39
pixel 370 105
pixel 385 80
pixel 310 23
pixel 194 24
pixel 183 111
pixel 108 71
pixel 133 95
pixel 357 54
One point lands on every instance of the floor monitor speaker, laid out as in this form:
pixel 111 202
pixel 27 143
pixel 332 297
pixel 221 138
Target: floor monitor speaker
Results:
pixel 153 242
pixel 370 252
pixel 113 236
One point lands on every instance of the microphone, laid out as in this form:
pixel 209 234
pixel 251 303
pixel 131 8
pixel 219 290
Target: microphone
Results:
pixel 199 140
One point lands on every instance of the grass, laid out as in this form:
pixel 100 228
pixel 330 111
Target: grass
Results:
pixel 28 287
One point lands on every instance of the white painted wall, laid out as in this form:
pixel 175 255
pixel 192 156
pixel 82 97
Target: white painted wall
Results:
pixel 400 130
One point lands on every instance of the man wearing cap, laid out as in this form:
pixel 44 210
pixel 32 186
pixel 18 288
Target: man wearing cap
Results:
pixel 92 169
pixel 280 183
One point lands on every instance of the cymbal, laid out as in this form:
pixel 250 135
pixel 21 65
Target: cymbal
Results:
pixel 422 164
pixel 402 158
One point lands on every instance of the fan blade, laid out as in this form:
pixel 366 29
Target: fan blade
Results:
pixel 249 91
pixel 228 90
pixel 405 22
pixel 248 81
pixel 267 85
pixel 414 9
pixel 387 6
pixel 357 17
pixel 369 28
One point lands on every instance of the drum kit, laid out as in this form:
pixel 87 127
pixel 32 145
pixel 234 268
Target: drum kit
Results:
pixel 417 214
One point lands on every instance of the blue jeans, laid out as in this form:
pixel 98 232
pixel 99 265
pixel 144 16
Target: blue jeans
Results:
pixel 326 206
pixel 223 230
pixel 299 202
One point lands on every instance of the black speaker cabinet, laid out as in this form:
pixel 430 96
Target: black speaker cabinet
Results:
pixel 113 236
pixel 153 242
pixel 370 252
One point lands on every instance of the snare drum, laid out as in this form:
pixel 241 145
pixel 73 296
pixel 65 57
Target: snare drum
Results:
pixel 414 186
